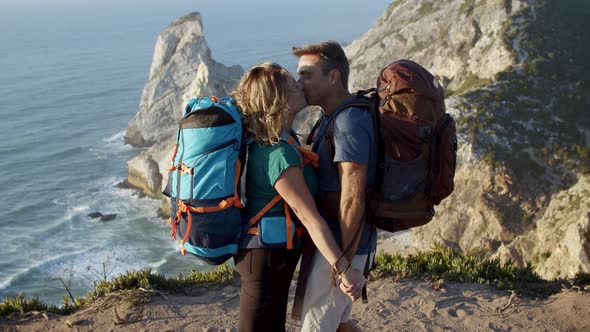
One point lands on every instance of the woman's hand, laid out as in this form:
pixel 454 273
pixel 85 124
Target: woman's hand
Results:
pixel 352 283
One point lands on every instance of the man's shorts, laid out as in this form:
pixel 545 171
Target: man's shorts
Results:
pixel 324 305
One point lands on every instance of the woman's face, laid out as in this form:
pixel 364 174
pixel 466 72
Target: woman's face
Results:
pixel 295 96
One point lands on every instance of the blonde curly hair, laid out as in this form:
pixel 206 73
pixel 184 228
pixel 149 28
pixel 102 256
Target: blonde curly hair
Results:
pixel 262 98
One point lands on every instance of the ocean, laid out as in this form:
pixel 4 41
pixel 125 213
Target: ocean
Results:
pixel 71 74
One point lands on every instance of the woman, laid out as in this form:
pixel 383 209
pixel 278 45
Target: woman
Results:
pixel 270 99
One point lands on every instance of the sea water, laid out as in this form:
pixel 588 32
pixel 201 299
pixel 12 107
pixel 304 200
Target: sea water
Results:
pixel 71 74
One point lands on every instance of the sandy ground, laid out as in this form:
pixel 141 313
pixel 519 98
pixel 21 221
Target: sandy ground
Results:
pixel 407 305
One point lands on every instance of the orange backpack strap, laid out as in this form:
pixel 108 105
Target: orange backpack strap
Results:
pixel 288 222
pixel 308 158
pixel 185 208
pixel 264 210
pixel 289 225
pixel 175 151
pixel 174 156
pixel 235 200
pixel 224 204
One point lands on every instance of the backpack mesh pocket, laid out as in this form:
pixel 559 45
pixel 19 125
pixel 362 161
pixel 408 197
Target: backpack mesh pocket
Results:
pixel 402 180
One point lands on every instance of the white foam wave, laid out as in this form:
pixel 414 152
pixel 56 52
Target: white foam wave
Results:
pixel 38 264
pixel 157 264
pixel 87 266
pixel 74 210
pixel 102 196
pixel 71 213
pixel 5 284
pixel 106 197
pixel 112 145
pixel 75 229
pixel 104 263
pixel 118 137
pixel 127 201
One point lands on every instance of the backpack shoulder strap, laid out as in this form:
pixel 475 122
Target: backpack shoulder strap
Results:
pixel 309 139
pixel 360 101
pixel 305 157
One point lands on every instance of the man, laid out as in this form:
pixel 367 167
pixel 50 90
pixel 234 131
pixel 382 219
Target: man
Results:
pixel 346 143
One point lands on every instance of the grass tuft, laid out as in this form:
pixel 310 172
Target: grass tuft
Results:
pixel 442 263
pixel 437 266
pixel 130 280
pixel 582 279
pixel 21 305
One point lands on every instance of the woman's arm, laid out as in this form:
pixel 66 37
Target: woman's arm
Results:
pixel 293 189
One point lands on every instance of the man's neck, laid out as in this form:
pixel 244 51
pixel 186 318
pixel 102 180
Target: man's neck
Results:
pixel 331 102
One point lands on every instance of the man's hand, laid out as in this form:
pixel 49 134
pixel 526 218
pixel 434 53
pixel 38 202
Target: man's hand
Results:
pixel 351 283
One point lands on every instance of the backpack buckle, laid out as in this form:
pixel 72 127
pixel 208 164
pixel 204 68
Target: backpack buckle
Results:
pixel 425 132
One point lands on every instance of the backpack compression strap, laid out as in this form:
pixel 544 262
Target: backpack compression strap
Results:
pixel 224 204
pixel 308 158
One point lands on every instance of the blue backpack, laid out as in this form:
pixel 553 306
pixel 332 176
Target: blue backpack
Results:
pixel 203 183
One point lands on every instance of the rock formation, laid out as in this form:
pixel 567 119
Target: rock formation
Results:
pixel 517 80
pixel 517 77
pixel 456 39
pixel 182 68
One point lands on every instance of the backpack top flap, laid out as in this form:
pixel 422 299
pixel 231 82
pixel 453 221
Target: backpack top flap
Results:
pixel 206 103
pixel 406 76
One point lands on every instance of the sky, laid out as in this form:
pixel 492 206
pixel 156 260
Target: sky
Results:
pixel 311 19
pixel 53 3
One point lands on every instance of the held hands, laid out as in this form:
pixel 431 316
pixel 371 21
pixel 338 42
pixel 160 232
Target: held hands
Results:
pixel 350 280
pixel 351 283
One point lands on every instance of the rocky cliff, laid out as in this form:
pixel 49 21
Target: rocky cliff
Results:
pixel 517 80
pixel 182 68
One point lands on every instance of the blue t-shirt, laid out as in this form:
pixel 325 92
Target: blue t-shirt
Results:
pixel 354 141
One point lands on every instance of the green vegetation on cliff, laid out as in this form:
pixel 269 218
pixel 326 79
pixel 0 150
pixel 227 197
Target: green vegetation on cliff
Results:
pixel 536 114
pixel 439 264
pixel 448 264
pixel 533 120
pixel 143 279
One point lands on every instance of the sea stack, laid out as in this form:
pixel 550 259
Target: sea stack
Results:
pixel 182 68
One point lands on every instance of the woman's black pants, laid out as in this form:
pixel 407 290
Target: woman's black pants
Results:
pixel 265 279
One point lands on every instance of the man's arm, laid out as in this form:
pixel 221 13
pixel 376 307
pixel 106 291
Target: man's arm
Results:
pixel 293 189
pixel 353 180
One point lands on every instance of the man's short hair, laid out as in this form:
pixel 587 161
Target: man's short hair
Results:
pixel 331 55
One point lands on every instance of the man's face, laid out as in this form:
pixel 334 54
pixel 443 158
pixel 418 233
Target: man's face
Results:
pixel 315 84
